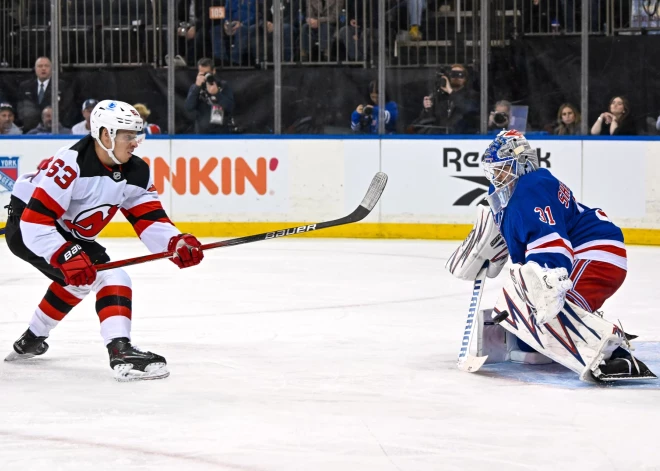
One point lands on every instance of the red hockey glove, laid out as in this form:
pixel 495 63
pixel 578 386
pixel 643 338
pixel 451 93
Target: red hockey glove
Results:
pixel 76 266
pixel 187 250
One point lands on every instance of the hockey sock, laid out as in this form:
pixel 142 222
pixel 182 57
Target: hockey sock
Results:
pixel 113 305
pixel 57 303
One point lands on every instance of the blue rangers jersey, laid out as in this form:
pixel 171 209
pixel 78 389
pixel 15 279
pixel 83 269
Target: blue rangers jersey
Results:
pixel 545 224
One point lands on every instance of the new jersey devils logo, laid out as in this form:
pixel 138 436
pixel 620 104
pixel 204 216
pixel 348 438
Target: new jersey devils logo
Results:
pixel 89 223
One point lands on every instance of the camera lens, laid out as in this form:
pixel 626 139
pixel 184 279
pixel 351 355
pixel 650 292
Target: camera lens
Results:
pixel 500 119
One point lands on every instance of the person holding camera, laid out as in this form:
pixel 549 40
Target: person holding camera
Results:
pixel 365 117
pixel 452 108
pixel 212 100
pixel 500 117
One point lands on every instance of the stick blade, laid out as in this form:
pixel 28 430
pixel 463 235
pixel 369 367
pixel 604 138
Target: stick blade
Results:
pixel 472 363
pixel 376 189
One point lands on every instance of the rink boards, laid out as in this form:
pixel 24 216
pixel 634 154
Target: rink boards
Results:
pixel 231 187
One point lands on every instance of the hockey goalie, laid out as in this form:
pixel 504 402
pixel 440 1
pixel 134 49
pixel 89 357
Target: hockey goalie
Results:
pixel 567 260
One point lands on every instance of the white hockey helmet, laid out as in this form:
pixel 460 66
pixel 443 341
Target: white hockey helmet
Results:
pixel 114 115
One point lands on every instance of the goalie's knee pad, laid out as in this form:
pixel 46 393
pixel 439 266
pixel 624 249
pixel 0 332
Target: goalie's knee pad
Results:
pixel 483 244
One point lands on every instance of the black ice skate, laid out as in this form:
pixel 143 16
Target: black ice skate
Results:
pixel 622 366
pixel 131 364
pixel 28 346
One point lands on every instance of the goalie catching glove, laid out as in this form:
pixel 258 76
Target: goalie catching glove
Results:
pixel 187 250
pixel 543 289
pixel 483 244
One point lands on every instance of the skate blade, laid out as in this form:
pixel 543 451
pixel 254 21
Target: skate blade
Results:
pixel 126 373
pixel 612 379
pixel 13 356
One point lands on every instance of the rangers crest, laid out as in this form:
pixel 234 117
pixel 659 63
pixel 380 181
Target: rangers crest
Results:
pixel 8 173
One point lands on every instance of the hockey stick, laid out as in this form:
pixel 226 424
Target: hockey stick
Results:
pixel 466 360
pixel 368 202
pixel 2 230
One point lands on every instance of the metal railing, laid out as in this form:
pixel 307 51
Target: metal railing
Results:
pixel 605 17
pixel 126 33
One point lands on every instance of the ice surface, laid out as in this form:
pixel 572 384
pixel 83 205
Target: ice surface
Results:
pixel 312 355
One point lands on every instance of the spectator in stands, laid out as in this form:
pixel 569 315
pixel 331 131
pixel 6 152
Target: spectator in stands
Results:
pixel 365 117
pixel 415 10
pixel 657 124
pixel 212 101
pixel 46 124
pixel 82 127
pixel 617 121
pixel 568 121
pixel 452 107
pixel 145 112
pixel 196 30
pixel 7 126
pixel 35 95
pixel 569 14
pixel 319 27
pixel 290 14
pixel 362 24
pixel 500 117
pixel 232 37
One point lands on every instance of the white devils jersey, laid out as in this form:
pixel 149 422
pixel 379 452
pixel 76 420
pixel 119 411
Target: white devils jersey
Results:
pixel 75 192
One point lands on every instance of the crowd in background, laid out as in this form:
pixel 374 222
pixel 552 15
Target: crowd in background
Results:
pixel 452 107
pixel 335 33
pixel 33 109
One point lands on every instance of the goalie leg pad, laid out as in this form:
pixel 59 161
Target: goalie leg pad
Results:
pixel 575 338
pixel 500 346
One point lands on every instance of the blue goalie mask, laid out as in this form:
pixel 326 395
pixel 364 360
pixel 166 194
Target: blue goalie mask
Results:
pixel 507 158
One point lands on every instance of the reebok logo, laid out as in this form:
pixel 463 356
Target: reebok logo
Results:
pixel 464 161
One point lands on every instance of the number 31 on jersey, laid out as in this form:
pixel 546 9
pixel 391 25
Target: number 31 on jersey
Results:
pixel 545 215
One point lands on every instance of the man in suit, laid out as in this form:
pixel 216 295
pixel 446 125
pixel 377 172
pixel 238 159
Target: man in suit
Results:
pixel 35 94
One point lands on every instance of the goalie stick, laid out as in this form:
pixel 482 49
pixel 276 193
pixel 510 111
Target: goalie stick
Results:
pixel 467 361
pixel 368 202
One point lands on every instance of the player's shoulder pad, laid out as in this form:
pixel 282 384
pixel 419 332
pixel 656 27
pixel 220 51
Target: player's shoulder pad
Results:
pixel 534 187
pixel 137 172
pixel 84 155
pixel 69 157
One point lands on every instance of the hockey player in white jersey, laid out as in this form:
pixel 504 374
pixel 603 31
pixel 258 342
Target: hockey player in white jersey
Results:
pixel 55 215
pixel 568 259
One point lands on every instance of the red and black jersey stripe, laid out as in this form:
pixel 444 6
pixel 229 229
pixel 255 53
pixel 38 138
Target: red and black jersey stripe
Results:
pixel 58 302
pixel 145 214
pixel 42 209
pixel 114 301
